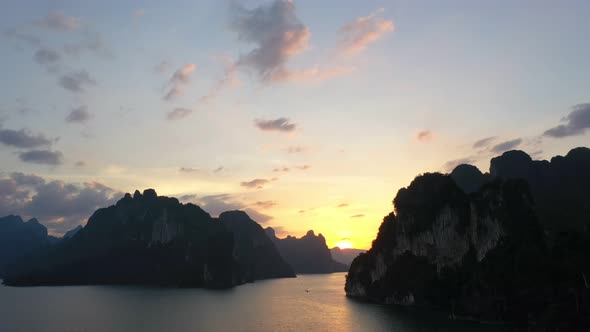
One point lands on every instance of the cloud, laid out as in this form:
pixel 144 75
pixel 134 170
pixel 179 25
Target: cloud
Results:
pixel 505 146
pixel 451 164
pixel 162 67
pixel 356 35
pixel 228 79
pixel 46 56
pixel 275 31
pixel 303 167
pixel 22 139
pixel 314 74
pixel 179 79
pixel 280 124
pixel 424 136
pixel 255 184
pixel 178 113
pixel 22 36
pixel 216 204
pixel 296 149
pixel 257 216
pixel 59 205
pixel 576 123
pixel 76 81
pixel 265 204
pixel 79 115
pixel 281 169
pixel 484 142
pixel 91 42
pixel 45 157
pixel 342 205
pixel 60 22
pixel 357 216
pixel 188 170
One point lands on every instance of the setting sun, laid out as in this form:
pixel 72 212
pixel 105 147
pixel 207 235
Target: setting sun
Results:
pixel 344 244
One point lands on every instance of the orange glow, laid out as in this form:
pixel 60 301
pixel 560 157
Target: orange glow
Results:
pixel 344 244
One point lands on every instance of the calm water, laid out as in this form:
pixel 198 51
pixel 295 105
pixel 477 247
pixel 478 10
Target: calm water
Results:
pixel 272 305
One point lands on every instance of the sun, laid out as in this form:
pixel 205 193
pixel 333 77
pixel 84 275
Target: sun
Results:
pixel 344 244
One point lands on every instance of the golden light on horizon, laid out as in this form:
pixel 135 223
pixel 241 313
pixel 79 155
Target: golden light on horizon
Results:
pixel 344 244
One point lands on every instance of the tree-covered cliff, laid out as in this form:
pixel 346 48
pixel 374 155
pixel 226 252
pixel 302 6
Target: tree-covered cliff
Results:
pixel 147 239
pixel 479 246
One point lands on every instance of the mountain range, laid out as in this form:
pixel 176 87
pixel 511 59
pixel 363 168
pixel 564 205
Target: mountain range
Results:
pixel 156 240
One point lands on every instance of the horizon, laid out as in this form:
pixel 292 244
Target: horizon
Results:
pixel 316 130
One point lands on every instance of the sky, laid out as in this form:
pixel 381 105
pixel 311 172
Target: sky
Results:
pixel 305 114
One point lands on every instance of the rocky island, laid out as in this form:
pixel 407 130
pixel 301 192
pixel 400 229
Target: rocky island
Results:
pixel 148 239
pixel 509 246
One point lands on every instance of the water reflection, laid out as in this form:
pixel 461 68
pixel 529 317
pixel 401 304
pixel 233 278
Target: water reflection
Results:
pixel 307 303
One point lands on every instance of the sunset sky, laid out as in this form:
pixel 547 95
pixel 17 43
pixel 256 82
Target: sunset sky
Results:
pixel 306 114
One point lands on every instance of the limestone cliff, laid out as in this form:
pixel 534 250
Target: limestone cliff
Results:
pixel 307 254
pixel 444 247
pixel 153 240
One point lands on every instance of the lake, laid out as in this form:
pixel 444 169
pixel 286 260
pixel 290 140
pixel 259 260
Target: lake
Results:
pixel 305 303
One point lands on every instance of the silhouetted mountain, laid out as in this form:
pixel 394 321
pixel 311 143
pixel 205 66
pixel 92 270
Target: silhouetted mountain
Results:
pixel 308 254
pixel 72 232
pixel 560 186
pixel 345 256
pixel 469 178
pixel 19 239
pixel 150 239
pixel 256 253
pixel 485 254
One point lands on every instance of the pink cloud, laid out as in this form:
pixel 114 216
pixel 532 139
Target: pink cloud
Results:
pixel 424 136
pixel 356 35
pixel 179 80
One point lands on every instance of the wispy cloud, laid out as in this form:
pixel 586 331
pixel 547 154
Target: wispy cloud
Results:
pixel 424 136
pixel 484 142
pixel 576 123
pixel 18 35
pixel 79 115
pixel 356 35
pixel 255 184
pixel 280 124
pixel 178 113
pixel 59 21
pixel 451 164
pixel 507 145
pixel 281 169
pixel 46 56
pixel 46 157
pixel 296 149
pixel 179 80
pixel 77 81
pixel 265 204
pixel 23 138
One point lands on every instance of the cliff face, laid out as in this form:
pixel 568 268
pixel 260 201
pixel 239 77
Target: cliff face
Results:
pixel 254 250
pixel 511 245
pixel 145 239
pixel 19 239
pixel 445 247
pixel 308 254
